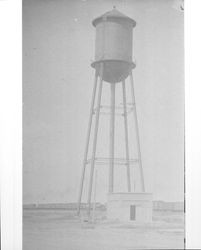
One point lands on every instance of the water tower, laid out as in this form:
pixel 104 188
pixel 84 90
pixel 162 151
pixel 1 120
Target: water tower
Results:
pixel 113 65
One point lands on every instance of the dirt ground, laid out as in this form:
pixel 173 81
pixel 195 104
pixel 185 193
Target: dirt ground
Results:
pixel 45 229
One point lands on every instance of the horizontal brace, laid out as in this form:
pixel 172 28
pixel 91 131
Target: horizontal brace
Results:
pixel 117 114
pixel 117 161
pixel 128 104
pixel 108 113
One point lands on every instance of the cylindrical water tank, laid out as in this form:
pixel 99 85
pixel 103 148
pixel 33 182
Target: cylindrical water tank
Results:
pixel 114 40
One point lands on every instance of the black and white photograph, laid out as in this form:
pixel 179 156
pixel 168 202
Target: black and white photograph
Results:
pixel 103 124
pixel 100 124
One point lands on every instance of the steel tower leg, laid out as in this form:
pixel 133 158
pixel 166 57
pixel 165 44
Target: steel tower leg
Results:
pixel 126 135
pixel 137 131
pixel 95 139
pixel 112 128
pixel 87 142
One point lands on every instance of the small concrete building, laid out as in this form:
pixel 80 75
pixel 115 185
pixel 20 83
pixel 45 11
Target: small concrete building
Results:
pixel 125 207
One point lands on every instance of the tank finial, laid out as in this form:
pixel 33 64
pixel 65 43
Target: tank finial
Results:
pixel 114 7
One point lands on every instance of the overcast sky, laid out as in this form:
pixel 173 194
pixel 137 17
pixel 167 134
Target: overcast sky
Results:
pixel 58 47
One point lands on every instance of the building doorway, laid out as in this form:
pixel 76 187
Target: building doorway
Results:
pixel 132 212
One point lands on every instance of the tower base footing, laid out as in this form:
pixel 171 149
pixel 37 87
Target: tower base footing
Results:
pixel 130 207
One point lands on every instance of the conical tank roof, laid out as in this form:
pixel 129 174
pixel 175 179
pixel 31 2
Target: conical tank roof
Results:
pixel 114 14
